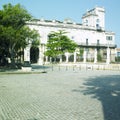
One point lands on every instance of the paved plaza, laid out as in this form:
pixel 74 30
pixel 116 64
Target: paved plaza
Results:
pixel 60 95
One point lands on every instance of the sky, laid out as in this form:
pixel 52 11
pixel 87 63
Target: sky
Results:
pixel 72 9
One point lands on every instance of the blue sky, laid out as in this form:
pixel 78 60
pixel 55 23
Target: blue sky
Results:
pixel 73 9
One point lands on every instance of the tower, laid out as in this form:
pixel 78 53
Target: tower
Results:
pixel 95 18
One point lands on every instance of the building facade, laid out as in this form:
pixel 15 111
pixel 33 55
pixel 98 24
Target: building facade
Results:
pixel 94 42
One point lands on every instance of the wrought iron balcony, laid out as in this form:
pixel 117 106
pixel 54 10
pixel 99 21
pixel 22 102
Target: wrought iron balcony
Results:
pixel 96 45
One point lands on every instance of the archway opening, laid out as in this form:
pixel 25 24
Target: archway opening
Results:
pixel 34 54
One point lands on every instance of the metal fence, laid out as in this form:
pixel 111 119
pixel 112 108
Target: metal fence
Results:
pixel 76 67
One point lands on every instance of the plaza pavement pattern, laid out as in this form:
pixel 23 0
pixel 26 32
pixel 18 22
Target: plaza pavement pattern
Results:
pixel 60 95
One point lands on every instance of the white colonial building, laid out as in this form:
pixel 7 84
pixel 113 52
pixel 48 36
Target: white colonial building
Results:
pixel 94 42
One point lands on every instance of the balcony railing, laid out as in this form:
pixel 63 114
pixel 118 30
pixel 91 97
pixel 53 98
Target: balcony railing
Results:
pixel 96 45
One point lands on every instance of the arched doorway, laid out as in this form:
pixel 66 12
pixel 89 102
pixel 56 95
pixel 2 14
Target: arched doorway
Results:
pixel 34 54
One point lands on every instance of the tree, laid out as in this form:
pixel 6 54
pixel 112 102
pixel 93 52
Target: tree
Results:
pixel 58 44
pixel 14 32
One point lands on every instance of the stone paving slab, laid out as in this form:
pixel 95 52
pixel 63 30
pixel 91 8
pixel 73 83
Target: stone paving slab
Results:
pixel 60 95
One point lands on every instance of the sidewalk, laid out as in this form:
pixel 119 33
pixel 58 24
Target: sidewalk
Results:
pixel 64 66
pixel 70 95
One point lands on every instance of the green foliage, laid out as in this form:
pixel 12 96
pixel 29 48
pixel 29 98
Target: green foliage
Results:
pixel 15 16
pixel 117 59
pixel 14 34
pixel 81 51
pixel 99 57
pixel 59 43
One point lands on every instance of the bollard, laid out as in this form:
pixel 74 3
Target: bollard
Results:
pixel 79 67
pixel 86 67
pixel 66 68
pixel 59 68
pixel 103 67
pixel 52 67
pixel 98 67
pixel 73 68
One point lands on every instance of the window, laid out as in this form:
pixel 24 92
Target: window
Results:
pixel 86 41
pixel 97 21
pixel 98 42
pixel 86 22
pixel 109 38
pixel 97 25
pixel 72 37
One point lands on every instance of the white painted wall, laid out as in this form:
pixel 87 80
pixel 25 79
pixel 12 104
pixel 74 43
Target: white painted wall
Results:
pixel 77 32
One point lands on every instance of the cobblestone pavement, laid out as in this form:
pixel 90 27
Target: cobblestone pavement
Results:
pixel 56 95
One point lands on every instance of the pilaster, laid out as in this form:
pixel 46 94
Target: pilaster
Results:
pixel 95 55
pixel 84 55
pixel 27 53
pixel 75 57
pixel 108 56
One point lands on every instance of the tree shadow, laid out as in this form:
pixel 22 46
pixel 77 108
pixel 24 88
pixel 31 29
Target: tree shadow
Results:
pixel 107 90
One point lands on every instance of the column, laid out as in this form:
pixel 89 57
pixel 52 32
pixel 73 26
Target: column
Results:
pixel 46 59
pixel 95 55
pixel 84 55
pixel 67 57
pixel 75 57
pixel 108 56
pixel 27 53
pixel 50 59
pixel 41 55
pixel 60 58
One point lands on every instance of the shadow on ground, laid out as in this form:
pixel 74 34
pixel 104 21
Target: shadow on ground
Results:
pixel 40 67
pixel 107 90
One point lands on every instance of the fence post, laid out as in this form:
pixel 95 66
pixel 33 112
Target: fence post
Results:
pixel 79 67
pixel 66 68
pixel 52 67
pixel 73 68
pixel 59 68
